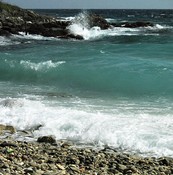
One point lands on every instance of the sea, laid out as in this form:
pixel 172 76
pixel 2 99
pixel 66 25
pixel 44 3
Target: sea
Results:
pixel 114 88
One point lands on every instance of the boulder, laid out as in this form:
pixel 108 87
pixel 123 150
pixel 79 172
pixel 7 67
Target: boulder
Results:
pixel 4 33
pixel 46 139
pixel 97 20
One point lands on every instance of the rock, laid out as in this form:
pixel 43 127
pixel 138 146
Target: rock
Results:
pixel 163 161
pixel 99 21
pixel 14 20
pixel 29 170
pixel 121 167
pixel 7 128
pixel 4 33
pixel 133 25
pixel 60 167
pixel 46 139
pixel 5 143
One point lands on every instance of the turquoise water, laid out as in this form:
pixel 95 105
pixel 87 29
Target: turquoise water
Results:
pixel 113 88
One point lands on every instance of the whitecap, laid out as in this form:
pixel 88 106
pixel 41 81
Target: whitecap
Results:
pixel 5 41
pixel 22 35
pixel 41 65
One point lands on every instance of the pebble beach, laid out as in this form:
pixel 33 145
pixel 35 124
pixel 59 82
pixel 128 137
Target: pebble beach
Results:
pixel 65 158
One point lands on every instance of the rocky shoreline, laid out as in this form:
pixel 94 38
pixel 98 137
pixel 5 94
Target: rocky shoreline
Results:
pixel 14 20
pixel 47 156
pixel 65 158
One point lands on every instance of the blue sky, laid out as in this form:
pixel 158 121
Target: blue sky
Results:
pixel 94 4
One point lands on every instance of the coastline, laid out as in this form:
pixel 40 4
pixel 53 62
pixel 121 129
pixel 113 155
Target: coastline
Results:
pixel 14 20
pixel 62 156
pixel 65 158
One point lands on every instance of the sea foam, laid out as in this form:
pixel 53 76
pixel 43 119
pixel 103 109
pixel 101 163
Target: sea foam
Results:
pixel 41 66
pixel 141 132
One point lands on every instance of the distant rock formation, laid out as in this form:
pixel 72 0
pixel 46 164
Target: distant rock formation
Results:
pixel 14 20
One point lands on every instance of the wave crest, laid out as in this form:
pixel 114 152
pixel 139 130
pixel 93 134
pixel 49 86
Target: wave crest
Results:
pixel 41 66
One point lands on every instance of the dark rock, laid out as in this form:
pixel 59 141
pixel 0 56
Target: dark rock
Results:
pixel 4 33
pixel 133 25
pixel 46 139
pixel 5 143
pixel 14 20
pixel 29 170
pixel 97 20
pixel 163 161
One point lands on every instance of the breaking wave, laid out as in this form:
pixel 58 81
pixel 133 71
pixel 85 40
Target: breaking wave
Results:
pixel 141 132
pixel 80 26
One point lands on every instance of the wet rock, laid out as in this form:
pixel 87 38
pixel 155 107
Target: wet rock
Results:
pixel 14 20
pixel 99 21
pixel 4 33
pixel 46 139
pixel 133 24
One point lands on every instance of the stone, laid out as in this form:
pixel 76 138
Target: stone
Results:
pixel 29 170
pixel 99 21
pixel 5 143
pixel 46 139
pixel 121 167
pixel 163 161
pixel 60 167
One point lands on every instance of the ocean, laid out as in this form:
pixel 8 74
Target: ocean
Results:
pixel 114 88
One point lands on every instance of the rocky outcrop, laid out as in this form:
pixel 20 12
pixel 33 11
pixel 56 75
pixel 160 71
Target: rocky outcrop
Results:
pixel 14 20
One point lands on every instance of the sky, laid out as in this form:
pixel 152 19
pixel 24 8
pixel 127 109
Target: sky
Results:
pixel 93 4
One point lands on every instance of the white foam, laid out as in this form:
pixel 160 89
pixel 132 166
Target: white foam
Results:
pixel 140 132
pixel 41 65
pixel 4 41
pixel 96 32
pixel 33 37
pixel 70 18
